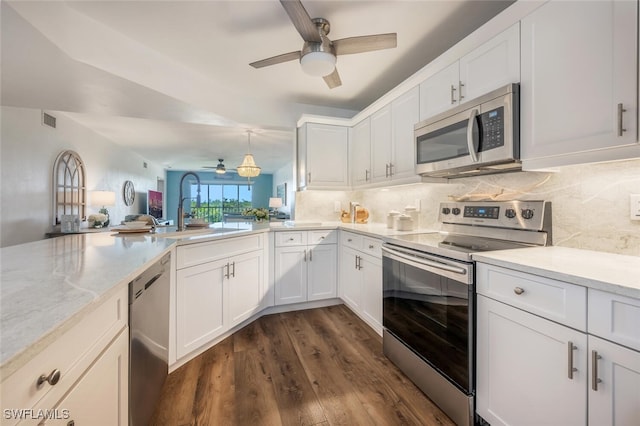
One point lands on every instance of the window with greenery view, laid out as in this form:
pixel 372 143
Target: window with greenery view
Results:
pixel 217 199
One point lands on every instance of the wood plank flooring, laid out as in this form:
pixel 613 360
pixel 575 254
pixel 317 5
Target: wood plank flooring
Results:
pixel 314 367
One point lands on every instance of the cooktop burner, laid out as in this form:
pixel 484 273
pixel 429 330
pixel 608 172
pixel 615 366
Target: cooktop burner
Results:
pixel 473 227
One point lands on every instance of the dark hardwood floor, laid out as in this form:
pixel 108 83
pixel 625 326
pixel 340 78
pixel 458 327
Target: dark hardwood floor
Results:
pixel 313 367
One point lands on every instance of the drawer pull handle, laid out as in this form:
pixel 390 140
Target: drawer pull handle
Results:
pixel 570 368
pixel 518 290
pixel 349 240
pixel 291 239
pixel 594 370
pixel 322 238
pixel 52 378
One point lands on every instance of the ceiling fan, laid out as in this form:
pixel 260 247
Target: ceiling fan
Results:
pixel 318 54
pixel 220 169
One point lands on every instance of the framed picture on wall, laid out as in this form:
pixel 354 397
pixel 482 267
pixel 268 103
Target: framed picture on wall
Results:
pixel 281 192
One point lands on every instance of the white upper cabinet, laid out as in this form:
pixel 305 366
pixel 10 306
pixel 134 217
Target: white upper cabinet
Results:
pixel 381 144
pixel 323 156
pixel 440 92
pixel 579 83
pixel 361 153
pixel 493 64
pixel 391 140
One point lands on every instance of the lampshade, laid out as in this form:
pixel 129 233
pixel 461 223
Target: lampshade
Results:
pixel 248 168
pixel 318 64
pixel 275 202
pixel 103 198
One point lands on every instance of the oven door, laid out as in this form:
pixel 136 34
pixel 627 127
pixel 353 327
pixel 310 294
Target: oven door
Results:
pixel 428 306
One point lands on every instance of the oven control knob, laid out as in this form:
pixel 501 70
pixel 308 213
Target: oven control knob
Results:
pixel 455 211
pixel 527 213
pixel 446 210
pixel 510 213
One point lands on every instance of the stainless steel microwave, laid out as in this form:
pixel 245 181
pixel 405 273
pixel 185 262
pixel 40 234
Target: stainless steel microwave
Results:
pixel 481 136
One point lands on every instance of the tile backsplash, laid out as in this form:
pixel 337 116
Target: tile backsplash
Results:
pixel 590 202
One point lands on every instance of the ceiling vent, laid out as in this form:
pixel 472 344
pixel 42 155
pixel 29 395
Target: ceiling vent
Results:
pixel 48 120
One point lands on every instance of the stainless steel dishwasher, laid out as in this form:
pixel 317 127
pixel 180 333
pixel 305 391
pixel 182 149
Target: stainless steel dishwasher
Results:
pixel 149 339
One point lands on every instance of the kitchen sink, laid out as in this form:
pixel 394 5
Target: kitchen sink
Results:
pixel 195 232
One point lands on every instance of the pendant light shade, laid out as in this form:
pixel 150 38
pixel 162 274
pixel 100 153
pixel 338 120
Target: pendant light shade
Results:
pixel 248 168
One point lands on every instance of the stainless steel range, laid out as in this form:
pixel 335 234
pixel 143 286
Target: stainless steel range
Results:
pixel 429 294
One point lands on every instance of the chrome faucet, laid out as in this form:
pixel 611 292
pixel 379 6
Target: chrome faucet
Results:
pixel 353 207
pixel 181 200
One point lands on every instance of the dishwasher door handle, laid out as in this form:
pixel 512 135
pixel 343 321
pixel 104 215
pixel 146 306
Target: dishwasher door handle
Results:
pixel 152 280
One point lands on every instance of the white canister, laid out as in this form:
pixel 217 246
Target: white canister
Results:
pixel 412 211
pixel 404 223
pixel 391 218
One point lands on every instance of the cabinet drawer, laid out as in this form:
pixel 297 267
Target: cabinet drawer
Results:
pixel 614 317
pixel 351 240
pixel 196 254
pixel 322 237
pixel 556 300
pixel 372 246
pixel 71 353
pixel 291 238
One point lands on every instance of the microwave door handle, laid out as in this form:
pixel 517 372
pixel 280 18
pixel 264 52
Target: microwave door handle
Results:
pixel 473 134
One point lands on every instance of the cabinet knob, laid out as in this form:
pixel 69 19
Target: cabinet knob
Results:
pixel 349 240
pixel 518 290
pixel 52 378
pixel 322 238
pixel 371 246
pixel 291 239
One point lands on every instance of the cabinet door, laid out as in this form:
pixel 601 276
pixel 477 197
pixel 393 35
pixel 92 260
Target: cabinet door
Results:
pixel 578 65
pixel 327 156
pixel 440 91
pixel 523 368
pixel 494 64
pixel 199 305
pixel 616 400
pixel 101 396
pixel 405 113
pixel 322 272
pixel 361 153
pixel 291 275
pixel 245 286
pixel 301 157
pixel 350 279
pixel 381 144
pixel 372 291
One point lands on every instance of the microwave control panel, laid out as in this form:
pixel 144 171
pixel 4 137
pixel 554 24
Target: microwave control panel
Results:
pixel 491 125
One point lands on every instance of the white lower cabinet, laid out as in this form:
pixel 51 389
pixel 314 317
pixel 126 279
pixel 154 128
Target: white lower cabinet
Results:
pixel 226 285
pixel 532 370
pixel 101 395
pixel 361 277
pixel 523 362
pixel 305 267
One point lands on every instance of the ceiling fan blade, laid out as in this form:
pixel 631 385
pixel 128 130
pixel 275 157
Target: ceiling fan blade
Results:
pixel 347 46
pixel 285 57
pixel 301 20
pixel 333 79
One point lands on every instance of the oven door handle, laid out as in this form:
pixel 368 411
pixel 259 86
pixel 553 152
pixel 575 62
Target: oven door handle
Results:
pixel 424 261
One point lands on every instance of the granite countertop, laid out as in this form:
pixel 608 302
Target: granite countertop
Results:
pixel 614 273
pixel 49 285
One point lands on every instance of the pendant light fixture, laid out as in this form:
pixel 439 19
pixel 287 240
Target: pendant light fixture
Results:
pixel 248 168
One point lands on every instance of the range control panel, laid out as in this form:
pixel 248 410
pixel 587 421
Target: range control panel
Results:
pixel 527 215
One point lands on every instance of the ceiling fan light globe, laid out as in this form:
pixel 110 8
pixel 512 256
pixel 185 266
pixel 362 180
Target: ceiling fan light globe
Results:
pixel 318 64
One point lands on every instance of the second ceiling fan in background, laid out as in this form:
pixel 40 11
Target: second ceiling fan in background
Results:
pixel 318 54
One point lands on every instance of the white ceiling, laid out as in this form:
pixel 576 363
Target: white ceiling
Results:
pixel 171 80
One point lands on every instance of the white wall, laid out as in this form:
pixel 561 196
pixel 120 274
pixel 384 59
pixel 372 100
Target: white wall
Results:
pixel 28 150
pixel 590 202
pixel 285 175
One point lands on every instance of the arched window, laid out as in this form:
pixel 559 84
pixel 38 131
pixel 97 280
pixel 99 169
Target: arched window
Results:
pixel 69 189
